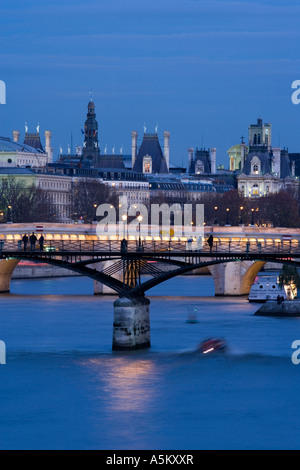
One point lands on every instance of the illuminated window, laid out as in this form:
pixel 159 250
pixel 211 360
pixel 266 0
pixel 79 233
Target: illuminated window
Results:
pixel 147 165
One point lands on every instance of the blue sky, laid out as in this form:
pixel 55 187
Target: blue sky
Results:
pixel 204 70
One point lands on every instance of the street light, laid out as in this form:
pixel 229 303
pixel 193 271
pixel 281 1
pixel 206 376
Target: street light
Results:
pixel 124 218
pixel 241 218
pixel 9 209
pixel 252 220
pixel 227 217
pixel 95 212
pixel 216 210
pixel 140 220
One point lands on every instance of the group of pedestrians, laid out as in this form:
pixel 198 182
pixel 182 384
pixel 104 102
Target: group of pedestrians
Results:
pixel 32 239
pixel 210 242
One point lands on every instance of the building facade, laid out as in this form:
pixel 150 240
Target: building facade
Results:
pixel 202 161
pixel 149 158
pixel 30 153
pixel 264 169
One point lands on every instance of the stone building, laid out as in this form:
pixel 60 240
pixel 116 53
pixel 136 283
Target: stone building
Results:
pixel 202 161
pixel 149 158
pixel 264 169
pixel 30 153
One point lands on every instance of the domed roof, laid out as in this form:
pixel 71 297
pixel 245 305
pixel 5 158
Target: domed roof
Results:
pixel 7 145
pixel 91 107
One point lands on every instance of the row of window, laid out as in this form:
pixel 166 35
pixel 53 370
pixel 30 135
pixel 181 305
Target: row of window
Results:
pixel 54 185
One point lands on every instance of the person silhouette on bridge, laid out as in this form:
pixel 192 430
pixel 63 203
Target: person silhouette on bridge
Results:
pixel 210 242
pixel 41 242
pixel 33 241
pixel 25 240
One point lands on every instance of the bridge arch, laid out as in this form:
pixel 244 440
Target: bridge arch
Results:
pixel 235 278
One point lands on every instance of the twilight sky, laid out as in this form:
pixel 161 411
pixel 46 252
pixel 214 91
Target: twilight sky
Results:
pixel 202 69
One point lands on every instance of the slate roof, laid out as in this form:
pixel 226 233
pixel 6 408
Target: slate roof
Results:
pixel 34 141
pixel 151 146
pixel 285 169
pixel 111 161
pixel 265 160
pixel 203 156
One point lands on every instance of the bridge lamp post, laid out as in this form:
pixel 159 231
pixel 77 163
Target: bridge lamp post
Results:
pixel 124 218
pixel 140 220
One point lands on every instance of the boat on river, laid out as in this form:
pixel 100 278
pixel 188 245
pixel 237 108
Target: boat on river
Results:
pixel 212 345
pixel 269 287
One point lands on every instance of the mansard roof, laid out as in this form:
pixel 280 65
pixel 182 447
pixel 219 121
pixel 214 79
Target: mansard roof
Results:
pixel 285 165
pixel 265 162
pixel 34 141
pixel 151 147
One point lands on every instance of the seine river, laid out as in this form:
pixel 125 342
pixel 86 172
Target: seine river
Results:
pixel 64 388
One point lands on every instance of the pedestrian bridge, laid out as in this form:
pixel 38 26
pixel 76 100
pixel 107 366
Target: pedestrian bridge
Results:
pixel 132 268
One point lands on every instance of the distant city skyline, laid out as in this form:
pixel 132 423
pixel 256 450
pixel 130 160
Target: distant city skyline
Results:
pixel 203 70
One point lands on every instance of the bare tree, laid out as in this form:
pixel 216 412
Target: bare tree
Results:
pixel 87 195
pixel 22 204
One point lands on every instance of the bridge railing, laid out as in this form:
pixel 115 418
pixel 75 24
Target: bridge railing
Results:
pixel 155 246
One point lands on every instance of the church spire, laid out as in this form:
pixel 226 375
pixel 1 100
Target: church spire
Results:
pixel 91 149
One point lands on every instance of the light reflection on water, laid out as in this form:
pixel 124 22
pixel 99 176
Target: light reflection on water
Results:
pixel 123 384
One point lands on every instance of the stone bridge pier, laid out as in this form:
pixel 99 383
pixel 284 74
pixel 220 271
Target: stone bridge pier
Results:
pixel 7 267
pixel 131 328
pixel 235 278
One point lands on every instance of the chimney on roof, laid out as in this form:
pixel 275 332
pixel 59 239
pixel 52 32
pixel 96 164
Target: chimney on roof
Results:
pixel 277 161
pixel 191 156
pixel 167 148
pixel 213 156
pixel 134 136
pixel 49 149
pixel 16 136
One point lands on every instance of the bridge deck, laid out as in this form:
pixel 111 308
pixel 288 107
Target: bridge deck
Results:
pixel 96 247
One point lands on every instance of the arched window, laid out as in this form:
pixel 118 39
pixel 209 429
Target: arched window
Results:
pixel 255 169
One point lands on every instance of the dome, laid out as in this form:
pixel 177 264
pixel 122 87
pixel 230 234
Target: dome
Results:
pixel 91 107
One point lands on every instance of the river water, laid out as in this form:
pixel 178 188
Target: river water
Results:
pixel 64 388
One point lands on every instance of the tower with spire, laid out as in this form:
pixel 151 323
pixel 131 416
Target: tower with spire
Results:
pixel 91 148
